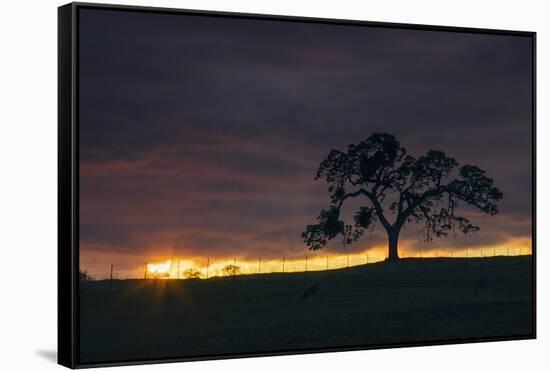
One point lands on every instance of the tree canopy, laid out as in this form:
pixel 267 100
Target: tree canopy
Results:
pixel 398 188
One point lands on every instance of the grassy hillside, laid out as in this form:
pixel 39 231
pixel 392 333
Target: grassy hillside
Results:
pixel 376 304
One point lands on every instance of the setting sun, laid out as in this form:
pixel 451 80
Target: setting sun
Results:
pixel 160 268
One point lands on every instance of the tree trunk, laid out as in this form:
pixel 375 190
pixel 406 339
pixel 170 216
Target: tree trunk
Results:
pixel 393 238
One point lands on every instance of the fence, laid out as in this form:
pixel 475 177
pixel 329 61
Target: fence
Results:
pixel 176 268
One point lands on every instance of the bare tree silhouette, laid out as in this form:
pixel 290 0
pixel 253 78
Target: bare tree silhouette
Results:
pixel 396 185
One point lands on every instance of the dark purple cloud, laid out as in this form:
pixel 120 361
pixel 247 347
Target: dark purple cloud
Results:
pixel 204 133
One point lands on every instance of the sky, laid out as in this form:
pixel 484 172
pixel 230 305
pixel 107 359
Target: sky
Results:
pixel 200 136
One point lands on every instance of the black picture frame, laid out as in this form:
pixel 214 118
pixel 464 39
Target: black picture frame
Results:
pixel 68 178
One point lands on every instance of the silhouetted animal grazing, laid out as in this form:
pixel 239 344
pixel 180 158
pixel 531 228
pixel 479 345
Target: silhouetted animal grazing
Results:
pixel 309 293
pixel 481 284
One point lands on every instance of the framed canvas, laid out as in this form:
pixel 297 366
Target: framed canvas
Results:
pixel 236 185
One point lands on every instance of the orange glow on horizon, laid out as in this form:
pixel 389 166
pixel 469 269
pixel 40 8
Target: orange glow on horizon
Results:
pixel 172 267
pixel 160 269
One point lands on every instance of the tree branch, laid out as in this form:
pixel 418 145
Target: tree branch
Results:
pixel 379 210
pixel 375 203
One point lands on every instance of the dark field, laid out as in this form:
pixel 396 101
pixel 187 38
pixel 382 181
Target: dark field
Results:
pixel 378 304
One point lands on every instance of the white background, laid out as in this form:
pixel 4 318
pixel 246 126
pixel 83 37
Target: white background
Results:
pixel 28 181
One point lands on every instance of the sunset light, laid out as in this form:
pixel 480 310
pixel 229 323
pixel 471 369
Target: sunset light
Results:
pixel 170 266
pixel 160 269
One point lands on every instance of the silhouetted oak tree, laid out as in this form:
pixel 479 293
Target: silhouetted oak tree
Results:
pixel 396 189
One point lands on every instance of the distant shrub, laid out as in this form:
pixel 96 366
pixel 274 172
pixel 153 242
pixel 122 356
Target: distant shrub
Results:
pixel 192 273
pixel 231 270
pixel 84 276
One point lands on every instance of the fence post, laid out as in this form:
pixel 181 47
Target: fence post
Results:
pixel 145 274
pixel 178 277
pixel 207 267
pixel 259 265
pixel 327 262
pixel 348 262
pixel 283 264
pixel 306 263
pixel 111 272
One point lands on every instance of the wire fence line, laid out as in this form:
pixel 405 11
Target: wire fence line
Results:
pixel 181 269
